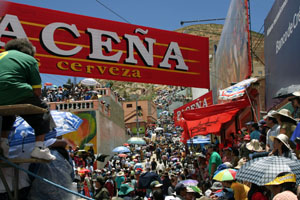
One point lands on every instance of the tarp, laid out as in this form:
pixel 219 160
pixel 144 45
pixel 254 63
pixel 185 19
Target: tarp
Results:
pixel 209 120
pixel 215 109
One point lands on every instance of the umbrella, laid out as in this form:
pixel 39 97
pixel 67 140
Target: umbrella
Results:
pixel 263 170
pixel 225 175
pixel 189 182
pixel 101 157
pixel 89 82
pixel 136 140
pixel 287 91
pixel 84 170
pixel 121 149
pixel 65 122
pixel 122 155
pixel 126 144
pixel 47 84
pixel 158 129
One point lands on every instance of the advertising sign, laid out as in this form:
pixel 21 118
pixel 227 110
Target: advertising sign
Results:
pixel 233 60
pixel 282 39
pixel 76 45
pixel 200 102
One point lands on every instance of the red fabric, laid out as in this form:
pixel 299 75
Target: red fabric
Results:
pixel 258 196
pixel 209 120
pixel 215 109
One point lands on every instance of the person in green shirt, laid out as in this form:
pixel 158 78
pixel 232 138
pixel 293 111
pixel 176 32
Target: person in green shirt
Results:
pixel 214 160
pixel 20 83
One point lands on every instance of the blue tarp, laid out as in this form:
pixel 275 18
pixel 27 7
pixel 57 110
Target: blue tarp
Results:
pixel 65 122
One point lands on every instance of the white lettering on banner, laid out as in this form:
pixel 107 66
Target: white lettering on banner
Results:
pixel 192 107
pixel 17 30
pixel 97 43
pixel 276 17
pixel 47 38
pixel 292 26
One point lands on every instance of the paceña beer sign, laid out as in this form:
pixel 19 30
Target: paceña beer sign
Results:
pixel 75 45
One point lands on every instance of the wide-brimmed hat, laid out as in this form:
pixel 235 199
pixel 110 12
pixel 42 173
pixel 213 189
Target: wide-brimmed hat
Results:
pixel 288 178
pixel 241 162
pixel 282 138
pixel 254 145
pixel 217 186
pixel 271 113
pixel 286 113
pixel 125 189
pixel 121 173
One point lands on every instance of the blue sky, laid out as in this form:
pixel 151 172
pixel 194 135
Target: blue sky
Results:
pixel 162 14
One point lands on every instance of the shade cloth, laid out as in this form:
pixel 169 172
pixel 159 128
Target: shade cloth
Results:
pixel 208 120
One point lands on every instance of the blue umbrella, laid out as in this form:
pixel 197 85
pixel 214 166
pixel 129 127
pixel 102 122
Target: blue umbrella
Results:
pixel 65 122
pixel 121 149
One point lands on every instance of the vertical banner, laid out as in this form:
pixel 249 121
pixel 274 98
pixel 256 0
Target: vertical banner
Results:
pixel 233 60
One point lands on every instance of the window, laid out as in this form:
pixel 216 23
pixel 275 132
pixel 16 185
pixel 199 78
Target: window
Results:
pixel 129 106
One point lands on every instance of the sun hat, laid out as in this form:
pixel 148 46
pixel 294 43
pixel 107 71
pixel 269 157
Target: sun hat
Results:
pixel 288 178
pixel 125 189
pixel 254 145
pixel 286 113
pixel 271 113
pixel 241 162
pixel 100 179
pixel 247 138
pixel 217 186
pixel 282 138
pixel 121 173
pixel 155 184
pixel 297 93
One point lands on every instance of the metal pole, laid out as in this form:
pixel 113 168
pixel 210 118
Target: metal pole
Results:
pixel 137 117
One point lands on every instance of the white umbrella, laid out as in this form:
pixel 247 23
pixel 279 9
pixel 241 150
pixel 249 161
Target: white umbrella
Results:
pixel 89 82
pixel 158 129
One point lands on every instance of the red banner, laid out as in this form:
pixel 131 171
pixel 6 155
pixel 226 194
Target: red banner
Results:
pixel 76 45
pixel 200 102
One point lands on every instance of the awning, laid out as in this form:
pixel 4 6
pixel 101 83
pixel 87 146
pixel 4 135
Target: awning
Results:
pixel 215 109
pixel 237 90
pixel 209 120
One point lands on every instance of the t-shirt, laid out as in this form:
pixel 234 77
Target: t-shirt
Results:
pixel 240 191
pixel 255 135
pixel 215 158
pixel 19 74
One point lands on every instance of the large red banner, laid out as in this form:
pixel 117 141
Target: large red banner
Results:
pixel 201 102
pixel 76 45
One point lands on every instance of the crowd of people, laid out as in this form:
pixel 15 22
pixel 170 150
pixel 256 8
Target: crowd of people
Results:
pixel 165 168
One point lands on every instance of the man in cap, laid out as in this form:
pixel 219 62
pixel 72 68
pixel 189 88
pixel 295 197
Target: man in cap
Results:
pixel 180 189
pixel 274 129
pixel 101 193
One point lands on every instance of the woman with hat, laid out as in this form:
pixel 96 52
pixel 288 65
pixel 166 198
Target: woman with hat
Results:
pixel 101 193
pixel 283 187
pixel 282 147
pixel 287 123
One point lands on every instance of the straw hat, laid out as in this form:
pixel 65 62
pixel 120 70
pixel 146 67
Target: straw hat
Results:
pixel 121 173
pixel 271 113
pixel 254 145
pixel 241 162
pixel 282 138
pixel 285 113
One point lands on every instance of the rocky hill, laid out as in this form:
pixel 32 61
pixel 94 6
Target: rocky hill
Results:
pixel 213 32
